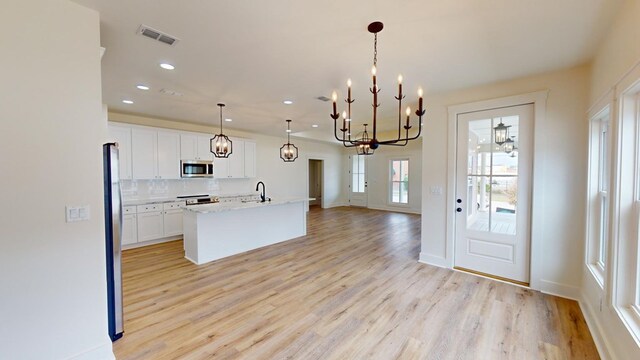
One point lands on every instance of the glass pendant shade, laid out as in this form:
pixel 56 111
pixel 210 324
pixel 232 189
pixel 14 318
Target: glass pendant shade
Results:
pixel 501 133
pixel 221 146
pixel 288 151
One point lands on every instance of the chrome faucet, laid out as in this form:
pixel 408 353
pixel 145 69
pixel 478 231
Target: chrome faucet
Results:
pixel 263 196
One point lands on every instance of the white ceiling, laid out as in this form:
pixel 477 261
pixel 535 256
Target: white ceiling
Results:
pixel 254 54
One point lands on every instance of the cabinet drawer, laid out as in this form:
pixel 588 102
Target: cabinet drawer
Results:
pixel 129 210
pixel 173 205
pixel 148 208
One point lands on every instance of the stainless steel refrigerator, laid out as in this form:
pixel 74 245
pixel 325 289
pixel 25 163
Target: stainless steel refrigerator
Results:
pixel 113 238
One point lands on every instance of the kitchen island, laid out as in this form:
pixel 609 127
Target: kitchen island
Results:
pixel 215 231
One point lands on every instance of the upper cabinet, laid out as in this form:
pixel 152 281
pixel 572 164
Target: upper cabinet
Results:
pixel 122 136
pixel 195 147
pixel 155 154
pixel 240 164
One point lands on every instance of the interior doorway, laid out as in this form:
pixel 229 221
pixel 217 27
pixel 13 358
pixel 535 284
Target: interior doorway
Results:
pixel 316 182
pixel 493 193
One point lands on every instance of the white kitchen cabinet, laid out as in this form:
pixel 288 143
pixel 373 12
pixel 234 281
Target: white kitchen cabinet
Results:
pixel 150 222
pixel 195 147
pixel 173 219
pixel 249 159
pixel 155 154
pixel 144 153
pixel 129 229
pixel 122 136
pixel 168 155
pixel 240 164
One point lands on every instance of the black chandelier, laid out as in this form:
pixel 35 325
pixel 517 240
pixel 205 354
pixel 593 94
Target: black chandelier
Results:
pixel 219 144
pixel 364 143
pixel 288 151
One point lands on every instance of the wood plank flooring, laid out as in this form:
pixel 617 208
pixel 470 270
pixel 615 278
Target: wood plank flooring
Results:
pixel 351 289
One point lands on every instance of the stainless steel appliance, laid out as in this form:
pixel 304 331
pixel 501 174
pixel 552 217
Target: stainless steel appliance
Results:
pixel 203 200
pixel 196 169
pixel 113 239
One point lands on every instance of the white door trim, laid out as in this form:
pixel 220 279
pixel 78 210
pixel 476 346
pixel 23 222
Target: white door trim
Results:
pixel 306 171
pixel 539 101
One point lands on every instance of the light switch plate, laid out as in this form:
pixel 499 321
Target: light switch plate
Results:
pixel 436 190
pixel 77 213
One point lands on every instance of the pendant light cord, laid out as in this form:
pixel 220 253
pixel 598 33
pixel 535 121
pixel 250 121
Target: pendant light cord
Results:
pixel 375 49
pixel 220 119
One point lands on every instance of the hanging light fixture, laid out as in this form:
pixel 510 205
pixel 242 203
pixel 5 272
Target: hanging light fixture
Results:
pixel 220 145
pixel 509 145
pixel 501 133
pixel 364 147
pixel 288 151
pixel 373 143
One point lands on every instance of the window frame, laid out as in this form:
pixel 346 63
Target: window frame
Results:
pixel 391 182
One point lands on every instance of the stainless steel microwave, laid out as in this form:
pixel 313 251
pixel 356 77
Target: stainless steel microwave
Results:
pixel 196 169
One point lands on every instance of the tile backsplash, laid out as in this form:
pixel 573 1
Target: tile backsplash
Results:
pixel 143 189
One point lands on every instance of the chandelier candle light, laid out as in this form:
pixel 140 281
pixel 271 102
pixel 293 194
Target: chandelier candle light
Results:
pixel 288 151
pixel 364 144
pixel 220 145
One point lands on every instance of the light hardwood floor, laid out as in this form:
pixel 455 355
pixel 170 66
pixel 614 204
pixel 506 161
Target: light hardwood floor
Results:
pixel 351 289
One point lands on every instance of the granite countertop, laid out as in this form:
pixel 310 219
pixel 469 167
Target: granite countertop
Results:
pixel 237 205
pixel 166 199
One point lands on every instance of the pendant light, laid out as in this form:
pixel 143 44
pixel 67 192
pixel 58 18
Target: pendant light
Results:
pixel 220 145
pixel 501 133
pixel 364 147
pixel 509 145
pixel 373 142
pixel 288 151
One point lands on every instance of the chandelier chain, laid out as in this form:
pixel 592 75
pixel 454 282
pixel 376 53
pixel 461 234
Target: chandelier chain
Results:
pixel 375 49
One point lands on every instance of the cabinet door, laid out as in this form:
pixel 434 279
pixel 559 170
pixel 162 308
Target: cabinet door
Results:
pixel 221 168
pixel 204 148
pixel 129 229
pixel 173 222
pixel 188 147
pixel 168 155
pixel 249 159
pixel 150 226
pixel 236 159
pixel 144 153
pixel 122 136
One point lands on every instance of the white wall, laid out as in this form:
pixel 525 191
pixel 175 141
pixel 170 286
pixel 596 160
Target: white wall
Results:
pixel 618 53
pixel 281 179
pixel 52 273
pixel 559 185
pixel 378 177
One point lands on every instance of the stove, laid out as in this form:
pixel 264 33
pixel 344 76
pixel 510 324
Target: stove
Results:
pixel 202 200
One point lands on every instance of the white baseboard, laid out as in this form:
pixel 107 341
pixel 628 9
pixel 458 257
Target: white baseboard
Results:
pixel 598 335
pixel 335 204
pixel 433 260
pixel 562 290
pixel 102 352
pixel 395 209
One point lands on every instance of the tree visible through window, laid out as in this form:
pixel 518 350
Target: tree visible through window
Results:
pixel 399 171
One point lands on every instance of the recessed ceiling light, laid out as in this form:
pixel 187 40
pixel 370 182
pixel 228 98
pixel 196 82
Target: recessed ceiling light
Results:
pixel 167 66
pixel 127 101
pixel 314 125
pixel 287 102
pixel 288 130
pixel 142 87
pixel 228 120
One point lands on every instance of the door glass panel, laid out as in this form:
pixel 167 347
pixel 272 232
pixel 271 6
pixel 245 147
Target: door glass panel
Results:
pixel 492 177
pixel 358 175
pixel 395 192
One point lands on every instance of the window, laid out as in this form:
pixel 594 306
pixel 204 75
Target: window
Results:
pixel 598 199
pixel 357 174
pixel 399 184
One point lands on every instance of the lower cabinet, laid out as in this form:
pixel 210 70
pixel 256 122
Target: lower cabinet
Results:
pixel 151 222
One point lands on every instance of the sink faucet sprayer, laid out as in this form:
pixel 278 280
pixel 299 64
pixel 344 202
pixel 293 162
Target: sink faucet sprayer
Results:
pixel 263 196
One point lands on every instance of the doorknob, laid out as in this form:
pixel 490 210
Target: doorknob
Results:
pixel 459 209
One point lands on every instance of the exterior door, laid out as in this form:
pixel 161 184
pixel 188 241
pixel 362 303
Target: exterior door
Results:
pixel 493 192
pixel 358 180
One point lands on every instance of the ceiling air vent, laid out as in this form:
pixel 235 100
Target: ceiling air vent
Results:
pixel 154 34
pixel 323 98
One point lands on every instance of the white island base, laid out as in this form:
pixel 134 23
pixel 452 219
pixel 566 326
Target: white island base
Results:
pixel 216 231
